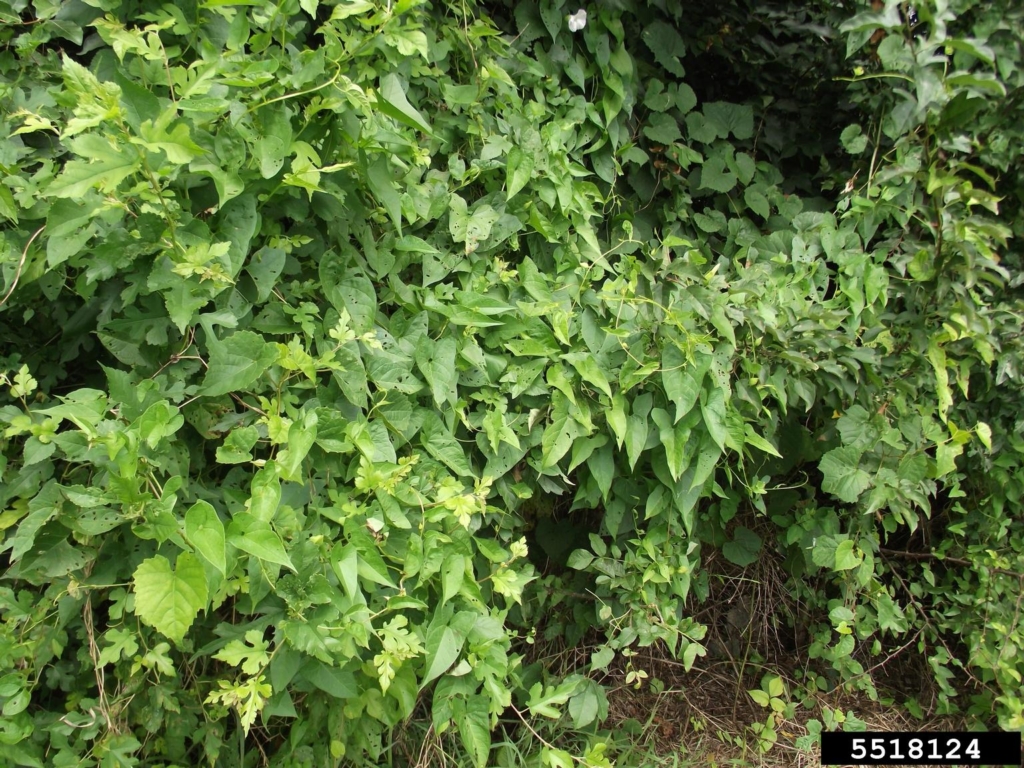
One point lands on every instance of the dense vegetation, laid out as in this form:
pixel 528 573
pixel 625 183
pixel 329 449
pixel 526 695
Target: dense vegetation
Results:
pixel 356 352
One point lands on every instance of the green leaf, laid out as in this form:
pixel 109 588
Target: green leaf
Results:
pixel 265 267
pixel 846 556
pixel 667 46
pixel 159 421
pixel 750 437
pixel 442 445
pixel 823 551
pixel 682 380
pixel 984 433
pixel 348 8
pixel 176 143
pixel 853 139
pixel 890 615
pixel 757 202
pixel 857 428
pixel 169 600
pixel 453 574
pixel 662 128
pixel 588 369
pixel 236 223
pixel 182 300
pixel 588 704
pixel 712 407
pixel 580 560
pixel 204 529
pixel 275 141
pixel 436 360
pixel 937 357
pixel 301 436
pixel 519 171
pixel 265 493
pixel 257 538
pixel 559 434
pixel 602 467
pixel 444 645
pixel 378 177
pixel 726 118
pixel 348 291
pixel 392 102
pixel 545 700
pixel 760 697
pixel 475 729
pixel 945 458
pixel 108 165
pixel 714 175
pixel 708 453
pixel 237 446
pixel 237 362
pixel 744 547
pixel 843 476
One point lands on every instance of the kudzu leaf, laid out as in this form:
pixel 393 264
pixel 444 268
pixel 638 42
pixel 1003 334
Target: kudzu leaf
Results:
pixel 602 466
pixel 301 435
pixel 275 141
pixel 580 560
pixel 159 421
pixel 587 704
pixel 349 291
pixel 453 573
pixel 853 139
pixel 444 645
pixel 559 434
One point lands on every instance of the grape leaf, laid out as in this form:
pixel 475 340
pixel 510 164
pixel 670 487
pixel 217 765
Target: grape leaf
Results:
pixel 170 599
pixel 237 362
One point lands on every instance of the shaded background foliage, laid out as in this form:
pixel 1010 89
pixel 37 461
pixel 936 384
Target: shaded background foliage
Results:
pixel 352 348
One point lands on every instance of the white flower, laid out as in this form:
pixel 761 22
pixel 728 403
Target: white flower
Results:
pixel 578 20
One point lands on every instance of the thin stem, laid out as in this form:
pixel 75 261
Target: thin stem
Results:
pixel 21 263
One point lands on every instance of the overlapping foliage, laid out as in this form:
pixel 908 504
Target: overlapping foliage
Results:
pixel 348 343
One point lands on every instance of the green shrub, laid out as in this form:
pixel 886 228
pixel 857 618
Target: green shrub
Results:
pixel 350 345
